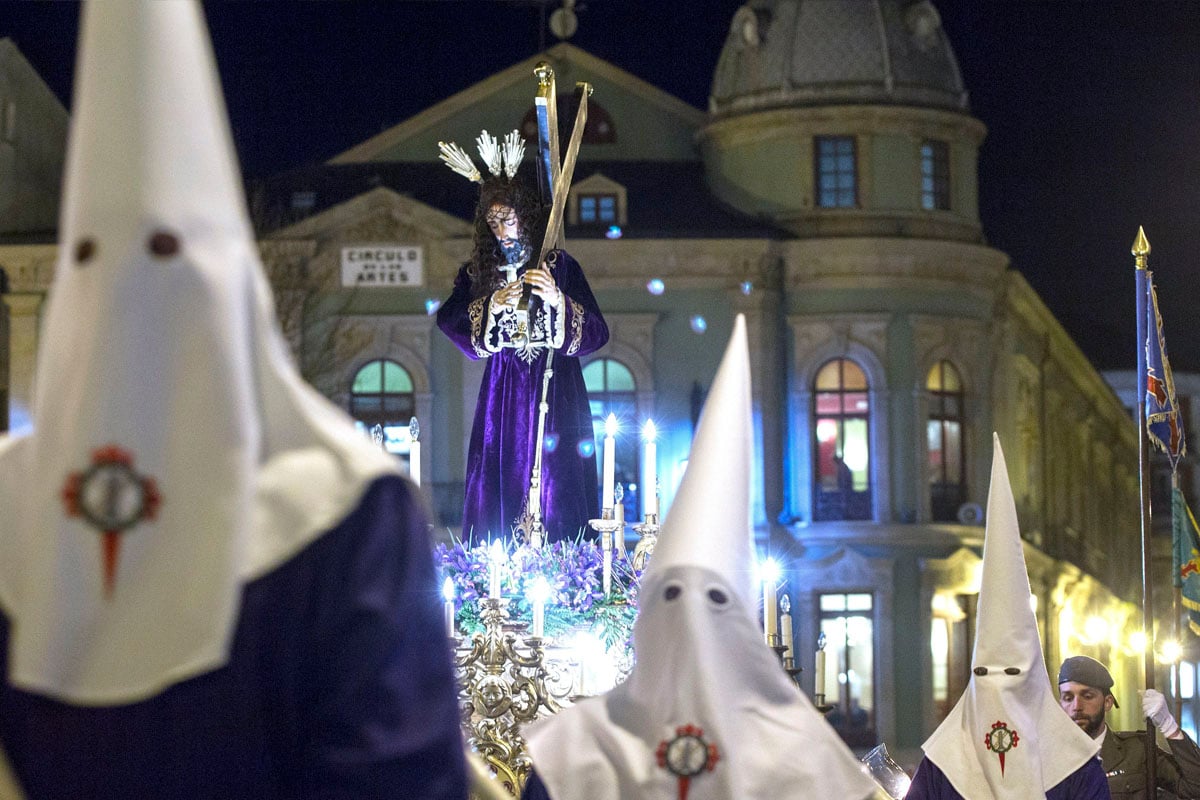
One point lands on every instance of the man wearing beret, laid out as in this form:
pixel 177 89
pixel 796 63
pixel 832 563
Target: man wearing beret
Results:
pixel 1085 693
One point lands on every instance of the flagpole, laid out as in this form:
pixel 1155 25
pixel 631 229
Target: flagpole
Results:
pixel 1141 257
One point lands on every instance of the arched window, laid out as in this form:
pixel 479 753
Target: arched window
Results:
pixel 841 426
pixel 944 439
pixel 382 394
pixel 612 390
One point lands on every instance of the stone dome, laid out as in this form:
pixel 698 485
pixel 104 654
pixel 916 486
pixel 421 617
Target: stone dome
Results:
pixel 803 53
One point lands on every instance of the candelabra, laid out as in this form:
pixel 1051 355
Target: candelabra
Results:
pixel 505 684
pixel 607 526
pixel 647 532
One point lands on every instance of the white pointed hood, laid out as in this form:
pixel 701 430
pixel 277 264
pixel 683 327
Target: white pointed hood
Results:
pixel 701 657
pixel 176 452
pixel 1007 737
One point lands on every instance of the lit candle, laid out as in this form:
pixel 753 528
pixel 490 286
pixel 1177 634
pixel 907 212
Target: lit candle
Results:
pixel 448 596
pixel 495 562
pixel 650 481
pixel 414 451
pixel 819 673
pixel 610 456
pixel 785 624
pixel 539 593
pixel 770 578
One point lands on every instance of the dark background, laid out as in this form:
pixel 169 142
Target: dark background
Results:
pixel 1092 109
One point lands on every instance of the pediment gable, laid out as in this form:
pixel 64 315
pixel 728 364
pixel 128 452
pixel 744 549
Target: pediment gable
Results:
pixel 650 123
pixel 377 214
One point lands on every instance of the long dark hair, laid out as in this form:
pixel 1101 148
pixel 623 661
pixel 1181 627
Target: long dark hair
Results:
pixel 483 268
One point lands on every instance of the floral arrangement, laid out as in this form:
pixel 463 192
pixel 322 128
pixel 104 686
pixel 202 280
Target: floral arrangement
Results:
pixel 573 571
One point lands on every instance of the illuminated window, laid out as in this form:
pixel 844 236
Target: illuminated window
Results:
pixel 612 390
pixel 837 173
pixel 944 440
pixel 935 175
pixel 841 424
pixel 848 622
pixel 596 209
pixel 382 394
pixel 951 637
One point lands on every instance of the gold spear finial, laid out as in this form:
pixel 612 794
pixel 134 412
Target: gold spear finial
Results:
pixel 1141 249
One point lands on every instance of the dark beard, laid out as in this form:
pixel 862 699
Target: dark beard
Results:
pixel 1095 724
pixel 513 252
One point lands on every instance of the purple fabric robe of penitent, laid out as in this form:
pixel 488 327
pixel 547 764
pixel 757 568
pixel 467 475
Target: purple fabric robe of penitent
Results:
pixel 501 453
pixel 338 685
pixel 1086 783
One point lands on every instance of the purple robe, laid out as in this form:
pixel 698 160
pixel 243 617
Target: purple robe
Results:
pixel 534 788
pixel 501 454
pixel 1086 783
pixel 339 684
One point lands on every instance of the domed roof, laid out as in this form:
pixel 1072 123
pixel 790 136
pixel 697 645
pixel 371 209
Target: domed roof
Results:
pixel 790 53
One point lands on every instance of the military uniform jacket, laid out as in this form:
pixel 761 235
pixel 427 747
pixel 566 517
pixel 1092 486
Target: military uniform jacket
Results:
pixel 1124 757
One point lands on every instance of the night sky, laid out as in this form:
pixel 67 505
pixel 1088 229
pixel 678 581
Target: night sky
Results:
pixel 1092 109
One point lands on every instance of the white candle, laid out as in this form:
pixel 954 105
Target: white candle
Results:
pixel 610 456
pixel 414 451
pixel 785 625
pixel 770 613
pixel 414 462
pixel 770 577
pixel 650 479
pixel 539 593
pixel 819 676
pixel 495 561
pixel 448 594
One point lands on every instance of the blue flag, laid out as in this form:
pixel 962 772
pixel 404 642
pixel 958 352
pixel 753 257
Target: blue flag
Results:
pixel 1164 424
pixel 1187 557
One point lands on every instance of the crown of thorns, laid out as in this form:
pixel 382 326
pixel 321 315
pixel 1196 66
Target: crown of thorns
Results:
pixel 499 158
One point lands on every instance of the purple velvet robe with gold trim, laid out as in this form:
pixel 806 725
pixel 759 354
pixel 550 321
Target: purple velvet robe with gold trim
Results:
pixel 501 454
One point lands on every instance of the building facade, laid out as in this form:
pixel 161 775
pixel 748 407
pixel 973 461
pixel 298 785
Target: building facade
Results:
pixel 33 134
pixel 828 193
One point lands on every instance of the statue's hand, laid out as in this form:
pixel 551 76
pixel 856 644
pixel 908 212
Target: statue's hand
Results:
pixel 542 283
pixel 509 294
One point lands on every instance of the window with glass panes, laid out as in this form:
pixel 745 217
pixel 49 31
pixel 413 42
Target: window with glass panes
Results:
pixel 837 173
pixel 841 420
pixel 935 175
pixel 848 622
pixel 951 637
pixel 945 442
pixel 597 208
pixel 612 390
pixel 382 394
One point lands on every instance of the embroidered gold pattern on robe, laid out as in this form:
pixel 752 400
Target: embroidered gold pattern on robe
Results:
pixel 577 313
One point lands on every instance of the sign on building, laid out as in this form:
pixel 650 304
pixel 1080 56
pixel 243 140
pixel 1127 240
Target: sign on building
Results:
pixel 383 265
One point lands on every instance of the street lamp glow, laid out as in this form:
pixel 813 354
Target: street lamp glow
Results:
pixel 1096 629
